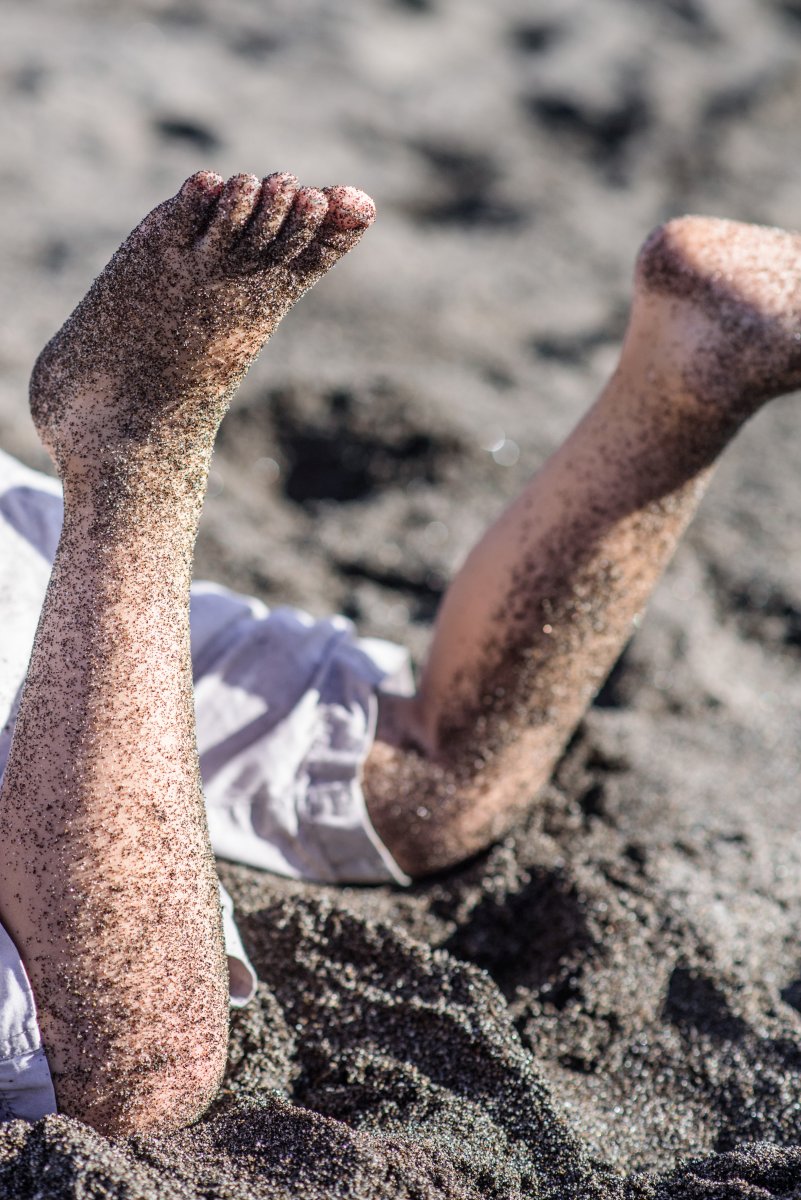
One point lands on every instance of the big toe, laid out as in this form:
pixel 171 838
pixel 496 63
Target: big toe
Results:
pixel 350 213
pixel 349 209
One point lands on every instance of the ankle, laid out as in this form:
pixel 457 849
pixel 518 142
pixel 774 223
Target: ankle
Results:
pixel 122 521
pixel 144 484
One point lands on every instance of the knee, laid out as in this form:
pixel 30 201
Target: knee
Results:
pixel 428 814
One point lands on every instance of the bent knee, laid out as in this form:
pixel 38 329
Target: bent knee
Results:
pixel 429 816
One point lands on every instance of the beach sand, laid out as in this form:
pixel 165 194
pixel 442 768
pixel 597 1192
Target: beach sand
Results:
pixel 608 1003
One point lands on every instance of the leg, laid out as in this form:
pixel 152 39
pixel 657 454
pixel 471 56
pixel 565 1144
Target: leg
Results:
pixel 107 882
pixel 537 615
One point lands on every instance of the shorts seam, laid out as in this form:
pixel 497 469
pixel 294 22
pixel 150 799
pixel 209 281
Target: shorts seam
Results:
pixel 26 1041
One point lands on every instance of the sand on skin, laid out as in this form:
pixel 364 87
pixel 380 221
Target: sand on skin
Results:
pixel 613 991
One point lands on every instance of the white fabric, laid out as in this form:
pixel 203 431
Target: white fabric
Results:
pixel 286 711
pixel 26 1089
pixel 242 978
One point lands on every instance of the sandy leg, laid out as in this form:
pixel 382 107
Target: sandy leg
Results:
pixel 107 883
pixel 544 603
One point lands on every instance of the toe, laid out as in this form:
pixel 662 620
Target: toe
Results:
pixel 184 215
pixel 305 218
pixel 350 213
pixel 349 210
pixel 278 192
pixel 233 211
pixel 199 191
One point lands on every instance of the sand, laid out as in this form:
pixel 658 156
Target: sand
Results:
pixel 609 1002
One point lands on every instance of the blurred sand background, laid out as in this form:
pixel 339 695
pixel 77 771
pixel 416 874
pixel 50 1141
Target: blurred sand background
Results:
pixel 640 930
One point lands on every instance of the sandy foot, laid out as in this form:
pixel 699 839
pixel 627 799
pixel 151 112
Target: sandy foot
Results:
pixel 166 332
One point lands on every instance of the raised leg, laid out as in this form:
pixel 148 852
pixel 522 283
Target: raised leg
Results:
pixel 107 882
pixel 540 610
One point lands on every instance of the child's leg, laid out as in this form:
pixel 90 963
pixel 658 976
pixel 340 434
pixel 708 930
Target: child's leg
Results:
pixel 540 610
pixel 107 883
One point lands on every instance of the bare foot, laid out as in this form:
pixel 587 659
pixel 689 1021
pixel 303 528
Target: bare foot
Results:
pixel 720 303
pixel 151 356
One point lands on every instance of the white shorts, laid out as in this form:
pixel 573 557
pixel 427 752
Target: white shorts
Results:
pixel 286 709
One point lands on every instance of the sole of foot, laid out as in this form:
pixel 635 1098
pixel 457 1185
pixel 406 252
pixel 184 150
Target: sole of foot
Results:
pixel 719 304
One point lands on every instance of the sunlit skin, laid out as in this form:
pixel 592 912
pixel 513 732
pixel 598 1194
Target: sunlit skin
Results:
pixel 107 882
pixel 543 605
